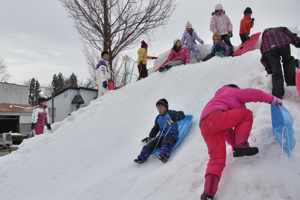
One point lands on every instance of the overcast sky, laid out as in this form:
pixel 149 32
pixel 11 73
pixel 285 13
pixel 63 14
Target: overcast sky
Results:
pixel 37 39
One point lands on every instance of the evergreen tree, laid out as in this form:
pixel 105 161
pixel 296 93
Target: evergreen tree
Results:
pixel 37 91
pixel 31 92
pixel 55 84
pixel 61 82
pixel 73 81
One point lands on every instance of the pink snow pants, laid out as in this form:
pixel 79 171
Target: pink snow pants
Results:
pixel 213 128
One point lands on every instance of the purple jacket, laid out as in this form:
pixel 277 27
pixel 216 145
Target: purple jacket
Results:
pixel 228 98
pixel 188 40
pixel 274 38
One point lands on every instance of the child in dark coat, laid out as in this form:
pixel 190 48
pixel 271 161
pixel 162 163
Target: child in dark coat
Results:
pixel 218 47
pixel 167 127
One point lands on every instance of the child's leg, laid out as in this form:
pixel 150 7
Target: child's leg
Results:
pixel 196 51
pixel 167 144
pixel 288 65
pixel 148 148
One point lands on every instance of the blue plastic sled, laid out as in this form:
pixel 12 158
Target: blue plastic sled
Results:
pixel 282 122
pixel 183 126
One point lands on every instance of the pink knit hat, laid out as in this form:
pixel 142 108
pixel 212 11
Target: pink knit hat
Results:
pixel 188 25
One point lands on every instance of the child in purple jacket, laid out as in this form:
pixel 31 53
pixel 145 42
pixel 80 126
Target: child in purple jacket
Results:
pixel 219 47
pixel 188 39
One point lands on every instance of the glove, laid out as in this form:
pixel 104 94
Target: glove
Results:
pixel 247 36
pixel 202 42
pixel 49 127
pixel 230 34
pixel 105 84
pixel 276 101
pixel 154 57
pixel 146 139
pixel 171 121
pixel 141 63
pixel 32 126
pixel 252 20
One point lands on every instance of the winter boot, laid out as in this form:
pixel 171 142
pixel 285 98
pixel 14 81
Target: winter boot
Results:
pixel 206 197
pixel 163 158
pixel 244 149
pixel 139 161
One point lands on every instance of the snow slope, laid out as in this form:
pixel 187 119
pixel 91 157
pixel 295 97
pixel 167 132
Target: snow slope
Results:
pixel 90 154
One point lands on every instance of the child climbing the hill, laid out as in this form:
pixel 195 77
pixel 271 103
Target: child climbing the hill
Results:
pixel 225 118
pixel 142 60
pixel 188 39
pixel 179 55
pixel 40 117
pixel 246 24
pixel 219 47
pixel 167 127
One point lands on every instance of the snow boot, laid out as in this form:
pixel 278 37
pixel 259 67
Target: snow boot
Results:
pixel 244 149
pixel 139 161
pixel 206 197
pixel 164 68
pixel 163 158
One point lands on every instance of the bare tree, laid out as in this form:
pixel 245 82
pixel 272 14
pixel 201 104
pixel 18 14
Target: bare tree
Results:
pixel 4 76
pixel 116 25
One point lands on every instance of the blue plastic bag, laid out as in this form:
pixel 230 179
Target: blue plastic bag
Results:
pixel 282 122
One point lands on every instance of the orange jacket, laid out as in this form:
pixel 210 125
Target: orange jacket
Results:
pixel 246 25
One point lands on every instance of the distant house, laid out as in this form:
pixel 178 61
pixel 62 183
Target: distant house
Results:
pixel 69 100
pixel 15 112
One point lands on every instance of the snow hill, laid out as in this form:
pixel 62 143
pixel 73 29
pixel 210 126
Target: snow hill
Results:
pixel 89 155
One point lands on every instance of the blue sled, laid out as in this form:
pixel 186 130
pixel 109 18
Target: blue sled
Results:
pixel 282 122
pixel 183 126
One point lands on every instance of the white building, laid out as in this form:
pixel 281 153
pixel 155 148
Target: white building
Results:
pixel 69 100
pixel 15 112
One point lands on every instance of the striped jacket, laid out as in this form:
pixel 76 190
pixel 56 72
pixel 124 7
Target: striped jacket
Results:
pixel 220 24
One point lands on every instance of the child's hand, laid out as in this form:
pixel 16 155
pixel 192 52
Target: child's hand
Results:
pixel 49 127
pixel 146 139
pixel 276 101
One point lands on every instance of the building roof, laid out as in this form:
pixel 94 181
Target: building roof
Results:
pixel 73 88
pixel 77 100
pixel 8 107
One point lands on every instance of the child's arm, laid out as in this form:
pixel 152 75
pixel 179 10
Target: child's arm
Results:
pixel 155 129
pixel 34 116
pixel 177 115
pixel 198 39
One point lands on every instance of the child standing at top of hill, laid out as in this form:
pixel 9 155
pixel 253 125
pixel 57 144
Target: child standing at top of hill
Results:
pixel 246 24
pixel 103 74
pixel 167 127
pixel 40 117
pixel 225 118
pixel 221 24
pixel 219 47
pixel 188 39
pixel 142 60
pixel 179 55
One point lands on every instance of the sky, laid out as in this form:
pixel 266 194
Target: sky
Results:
pixel 38 39
pixel 90 154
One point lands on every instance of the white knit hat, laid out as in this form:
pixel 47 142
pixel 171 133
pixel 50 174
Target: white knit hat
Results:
pixel 188 25
pixel 219 7
pixel 176 40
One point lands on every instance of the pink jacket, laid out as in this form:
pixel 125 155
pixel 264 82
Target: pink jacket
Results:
pixel 182 54
pixel 220 24
pixel 228 98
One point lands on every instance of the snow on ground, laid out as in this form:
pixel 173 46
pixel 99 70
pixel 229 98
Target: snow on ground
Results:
pixel 90 154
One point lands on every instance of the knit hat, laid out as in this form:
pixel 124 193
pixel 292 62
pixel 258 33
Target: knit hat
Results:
pixel 176 40
pixel 163 102
pixel 188 25
pixel 247 10
pixel 144 44
pixel 219 7
pixel 216 36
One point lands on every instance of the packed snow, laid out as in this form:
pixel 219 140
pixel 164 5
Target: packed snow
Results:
pixel 90 154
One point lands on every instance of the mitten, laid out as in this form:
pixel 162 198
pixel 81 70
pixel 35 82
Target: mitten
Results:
pixel 276 101
pixel 49 127
pixel 171 121
pixel 252 20
pixel 32 126
pixel 141 63
pixel 247 36
pixel 154 57
pixel 146 139
pixel 105 84
pixel 230 33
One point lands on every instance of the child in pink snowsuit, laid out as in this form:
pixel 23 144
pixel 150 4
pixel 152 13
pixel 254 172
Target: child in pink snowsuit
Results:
pixel 40 117
pixel 225 117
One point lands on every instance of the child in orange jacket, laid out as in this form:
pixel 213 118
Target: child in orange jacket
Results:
pixel 246 24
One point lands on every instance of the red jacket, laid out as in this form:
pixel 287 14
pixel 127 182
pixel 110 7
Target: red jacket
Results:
pixel 246 25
